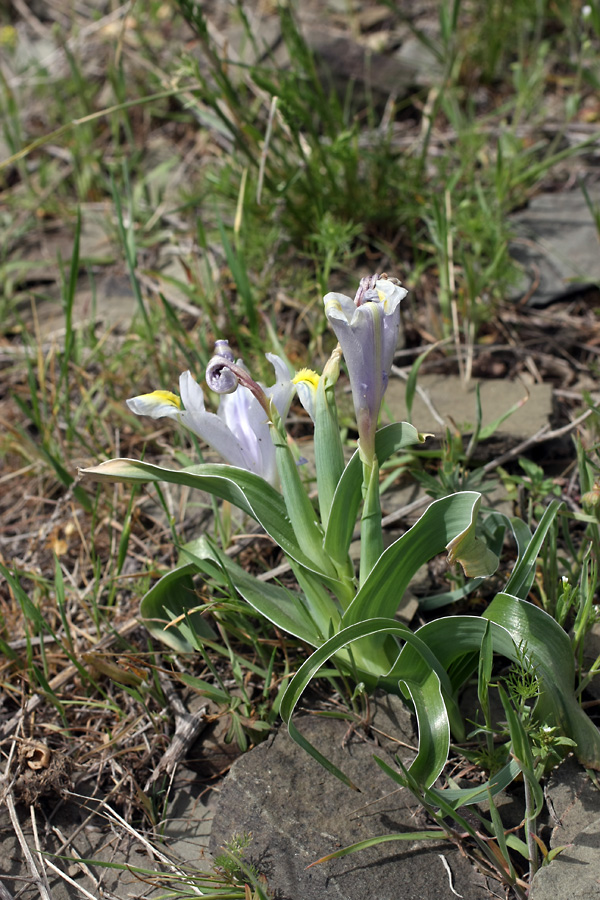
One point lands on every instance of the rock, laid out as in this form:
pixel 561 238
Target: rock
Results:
pixel 575 805
pixel 296 812
pixel 188 826
pixel 573 799
pixel 89 842
pixel 449 396
pixel 76 832
pixel 575 873
pixel 557 246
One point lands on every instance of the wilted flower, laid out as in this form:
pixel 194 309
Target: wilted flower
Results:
pixel 239 430
pixel 367 329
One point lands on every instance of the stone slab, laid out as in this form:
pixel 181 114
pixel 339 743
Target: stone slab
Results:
pixel 557 246
pixel 451 397
pixel 575 873
pixel 296 812
pixel 65 827
pixel 574 803
pixel 93 842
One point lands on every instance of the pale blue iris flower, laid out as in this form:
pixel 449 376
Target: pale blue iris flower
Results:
pixel 367 329
pixel 239 430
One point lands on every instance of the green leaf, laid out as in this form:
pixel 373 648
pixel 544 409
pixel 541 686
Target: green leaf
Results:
pixel 300 510
pixel 437 835
pixel 421 680
pixel 249 492
pixel 205 688
pixel 498 782
pixel 488 430
pixel 286 609
pixel 495 528
pixel 371 535
pixel 521 750
pixel 519 583
pixel 324 611
pixel 348 494
pixel 171 597
pixel 382 592
pixel 329 452
pixel 471 552
pixel 549 648
pixel 515 623
pixel 486 660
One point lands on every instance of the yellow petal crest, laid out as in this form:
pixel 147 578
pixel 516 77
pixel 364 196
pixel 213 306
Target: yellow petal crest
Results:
pixel 306 376
pixel 158 397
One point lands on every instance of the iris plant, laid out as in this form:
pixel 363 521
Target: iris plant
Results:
pixel 345 615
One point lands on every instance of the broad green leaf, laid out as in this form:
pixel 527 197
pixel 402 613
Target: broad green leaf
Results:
pixel 249 492
pixel 329 451
pixel 382 592
pixel 494 530
pixel 424 686
pixel 471 552
pixel 348 495
pixel 286 609
pixel 549 648
pixel 516 622
pixel 300 510
pixel 495 525
pixel 324 611
pixel 432 722
pixel 171 597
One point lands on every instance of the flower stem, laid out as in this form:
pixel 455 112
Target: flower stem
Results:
pixel 371 536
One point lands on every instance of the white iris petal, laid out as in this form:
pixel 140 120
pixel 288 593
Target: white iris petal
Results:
pixel 239 430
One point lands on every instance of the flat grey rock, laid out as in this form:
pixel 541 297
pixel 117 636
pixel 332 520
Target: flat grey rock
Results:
pixel 92 842
pixel 575 801
pixel 297 812
pixel 575 804
pixel 70 830
pixel 449 396
pixel 557 245
pixel 575 873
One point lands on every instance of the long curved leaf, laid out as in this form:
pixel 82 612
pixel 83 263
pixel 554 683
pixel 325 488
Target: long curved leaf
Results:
pixel 249 492
pixel 382 592
pixel 348 494
pixel 522 576
pixel 437 835
pixel 172 596
pixel 424 685
pixel 550 649
pixel 518 623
